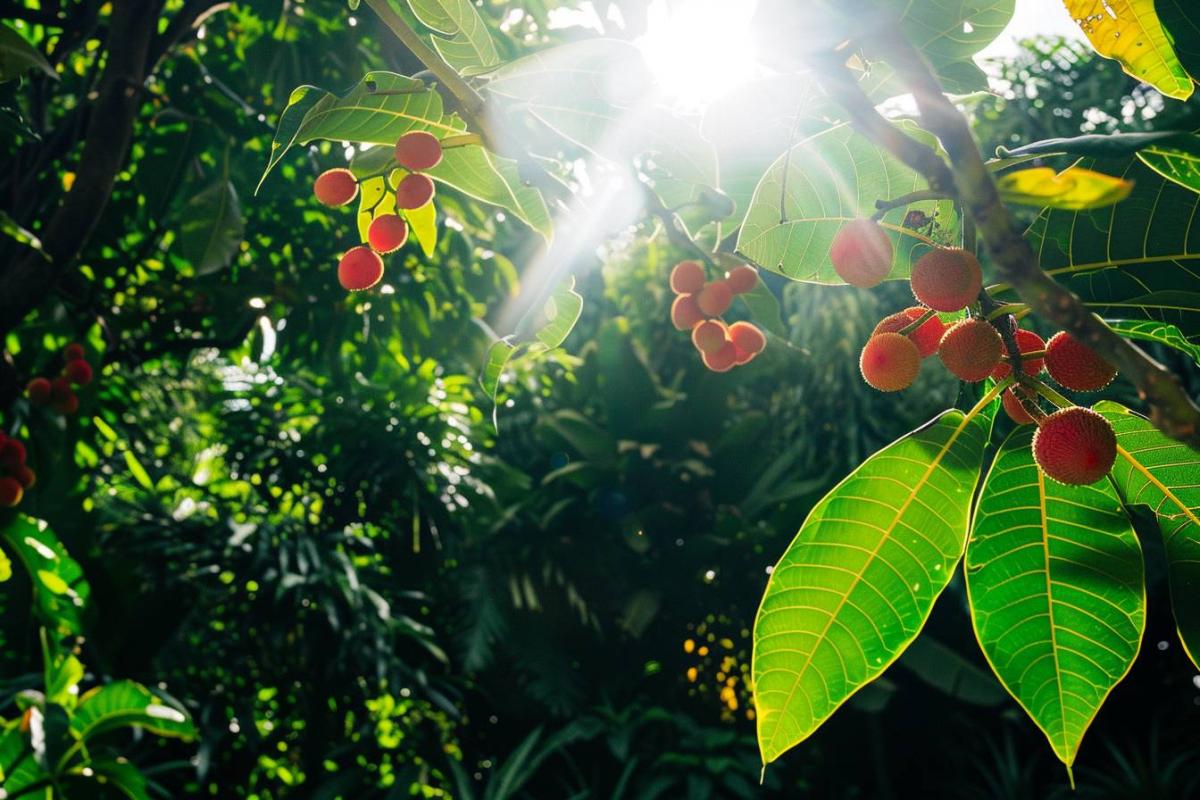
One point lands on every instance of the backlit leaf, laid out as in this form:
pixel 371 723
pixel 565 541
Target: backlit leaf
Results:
pixel 17 56
pixel 467 45
pixel 212 228
pixel 1158 332
pixel 1074 188
pixel 562 312
pixel 1176 159
pixel 1130 32
pixel 126 703
pixel 60 591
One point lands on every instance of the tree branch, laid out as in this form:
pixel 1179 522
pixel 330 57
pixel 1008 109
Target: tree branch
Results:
pixel 1171 410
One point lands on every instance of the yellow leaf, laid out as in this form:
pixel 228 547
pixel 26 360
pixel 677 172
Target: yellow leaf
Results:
pixel 1073 189
pixel 1130 32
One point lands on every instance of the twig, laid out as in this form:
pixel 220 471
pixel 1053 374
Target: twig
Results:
pixel 670 223
pixel 884 206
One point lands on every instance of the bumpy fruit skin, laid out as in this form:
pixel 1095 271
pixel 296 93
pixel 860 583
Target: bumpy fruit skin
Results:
pixel 747 338
pixel 709 336
pixel 335 187
pixel 11 492
pixel 889 362
pixel 687 277
pixel 741 278
pixel 1075 446
pixel 60 390
pixel 714 298
pixel 418 150
pixel 861 253
pixel 926 337
pixel 414 191
pixel 971 349
pixel 1027 342
pixel 685 314
pixel 722 360
pixel 78 372
pixel 360 268
pixel 73 352
pixel 1016 412
pixel 1075 365
pixel 947 279
pixel 38 391
pixel 388 233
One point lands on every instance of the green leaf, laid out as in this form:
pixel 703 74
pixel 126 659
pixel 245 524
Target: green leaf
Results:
pixel 1095 145
pixel 1130 32
pixel 59 589
pixel 497 357
pixel 469 48
pixel 212 229
pixel 819 185
pixel 300 102
pixel 1057 592
pixel 1074 188
pixel 858 582
pixel 562 312
pixel 947 31
pixel 18 768
pixel 10 228
pixel 123 704
pixel 17 56
pixel 1158 332
pixel 1181 18
pixel 1177 159
pixel 121 774
pixel 1164 475
pixel 763 306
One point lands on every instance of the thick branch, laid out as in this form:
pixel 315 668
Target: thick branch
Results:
pixel 1171 410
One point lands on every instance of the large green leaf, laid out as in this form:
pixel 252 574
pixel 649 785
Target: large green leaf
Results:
pixel 467 45
pixel 1164 475
pixel 17 56
pixel 1130 32
pixel 385 105
pixel 211 229
pixel 858 582
pixel 1137 260
pixel 1157 332
pixel 947 31
pixel 1181 18
pixel 1057 592
pixel 820 184
pixel 1176 159
pixel 122 704
pixel 59 589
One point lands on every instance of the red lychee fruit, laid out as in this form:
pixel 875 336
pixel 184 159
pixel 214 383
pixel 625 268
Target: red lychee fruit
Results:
pixel 747 337
pixel 78 372
pixel 687 277
pixel 685 314
pixel 414 191
pixel 741 278
pixel 861 253
pixel 360 268
pixel 926 337
pixel 714 298
pixel 971 349
pixel 68 405
pixel 60 390
pixel 1027 342
pixel 25 476
pixel 722 360
pixel 335 187
pixel 12 454
pixel 947 279
pixel 73 352
pixel 418 150
pixel 709 336
pixel 387 233
pixel 38 391
pixel 1015 409
pixel 11 492
pixel 1075 365
pixel 1075 445
pixel 890 362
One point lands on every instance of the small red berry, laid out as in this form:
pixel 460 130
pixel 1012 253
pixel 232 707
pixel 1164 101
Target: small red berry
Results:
pixel 38 391
pixel 1027 342
pixel 78 372
pixel 861 253
pixel 709 336
pixel 747 337
pixel 685 314
pixel 12 454
pixel 68 405
pixel 1015 409
pixel 889 362
pixel 926 337
pixel 947 279
pixel 1075 365
pixel 687 277
pixel 360 268
pixel 414 191
pixel 714 298
pixel 723 359
pixel 25 476
pixel 387 233
pixel 73 352
pixel 971 349
pixel 1075 446
pixel 11 492
pixel 418 150
pixel 335 187
pixel 741 278
pixel 60 390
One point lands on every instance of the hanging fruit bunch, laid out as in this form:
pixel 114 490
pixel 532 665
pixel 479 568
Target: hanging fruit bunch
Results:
pixel 59 393
pixel 698 307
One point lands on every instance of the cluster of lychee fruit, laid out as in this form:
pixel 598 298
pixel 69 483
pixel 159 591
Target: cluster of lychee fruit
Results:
pixel 15 474
pixel 1073 445
pixel 361 267
pixel 698 307
pixel 59 393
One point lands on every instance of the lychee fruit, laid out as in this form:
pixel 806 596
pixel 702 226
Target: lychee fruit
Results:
pixel 1076 366
pixel 861 253
pixel 741 278
pixel 971 349
pixel 1075 445
pixel 38 391
pixel 68 405
pixel 685 314
pixel 1027 342
pixel 741 356
pixel 60 390
pixel 11 492
pixel 78 372
pixel 12 454
pixel 335 187
pixel 947 279
pixel 1015 408
pixel 926 337
pixel 714 298
pixel 722 360
pixel 360 268
pixel 747 337
pixel 414 191
pixel 687 277
pixel 387 233
pixel 890 362
pixel 709 336
pixel 418 150
pixel 25 476
pixel 73 352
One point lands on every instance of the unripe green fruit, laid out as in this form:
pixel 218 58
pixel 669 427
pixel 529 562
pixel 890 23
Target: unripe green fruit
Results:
pixel 742 278
pixel 11 492
pixel 38 391
pixel 714 299
pixel 971 349
pixel 1076 366
pixel 1015 409
pixel 1075 446
pixel 685 314
pixel 687 277
pixel 387 233
pixel 747 337
pixel 414 191
pixel 1027 342
pixel 418 150
pixel 359 269
pixel 722 360
pixel 78 372
pixel 861 253
pixel 335 187
pixel 709 336
pixel 889 362
pixel 947 279
pixel 926 337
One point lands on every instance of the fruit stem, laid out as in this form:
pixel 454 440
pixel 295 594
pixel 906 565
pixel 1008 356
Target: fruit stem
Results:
pixel 1006 308
pixel 916 323
pixel 990 396
pixel 1021 392
pixel 1048 393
